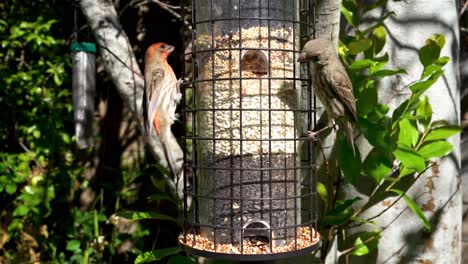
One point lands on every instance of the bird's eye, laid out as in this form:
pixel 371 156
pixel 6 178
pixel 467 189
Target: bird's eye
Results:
pixel 163 46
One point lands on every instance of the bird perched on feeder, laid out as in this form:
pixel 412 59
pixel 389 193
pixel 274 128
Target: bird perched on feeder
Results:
pixel 160 99
pixel 331 85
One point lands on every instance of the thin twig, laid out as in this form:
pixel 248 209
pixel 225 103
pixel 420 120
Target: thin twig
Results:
pixel 381 230
pixel 26 149
pixel 120 60
pixel 463 9
pixel 401 196
pixel 170 9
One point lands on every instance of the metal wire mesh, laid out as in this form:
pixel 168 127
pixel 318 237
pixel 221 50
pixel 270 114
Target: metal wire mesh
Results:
pixel 250 185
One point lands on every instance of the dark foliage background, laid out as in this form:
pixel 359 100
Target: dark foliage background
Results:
pixel 58 202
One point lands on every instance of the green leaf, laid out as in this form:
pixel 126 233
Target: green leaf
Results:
pixel 350 162
pixel 429 70
pixel 409 134
pixel 343 50
pixel 73 245
pixel 443 132
pixel 180 260
pixel 438 39
pixel 21 210
pixel 349 16
pixel 366 101
pixel 405 172
pixel 424 112
pixel 379 63
pixel 430 52
pixel 438 64
pixel 442 61
pixel 11 188
pixel 366 242
pixel 369 7
pixel 157 254
pixel 342 213
pixel 435 149
pixel 379 113
pixel 376 134
pixel 358 46
pixel 379 37
pixel 422 86
pixel 384 73
pixel 359 65
pixel 132 215
pixel 322 192
pixel 36 133
pixel 377 165
pixel 409 158
pixel 57 80
pixel 415 208
pixel 350 12
pixel 402 111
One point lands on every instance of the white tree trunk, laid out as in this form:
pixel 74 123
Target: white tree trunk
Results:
pixel 327 16
pixel 327 20
pixel 120 63
pixel 437 192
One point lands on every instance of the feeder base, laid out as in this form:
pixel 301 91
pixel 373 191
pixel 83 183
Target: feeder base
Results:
pixel 252 251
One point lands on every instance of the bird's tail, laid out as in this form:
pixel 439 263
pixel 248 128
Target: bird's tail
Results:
pixel 348 129
pixel 172 151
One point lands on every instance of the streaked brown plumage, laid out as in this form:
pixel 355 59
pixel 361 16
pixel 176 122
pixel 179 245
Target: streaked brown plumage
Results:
pixel 332 85
pixel 160 100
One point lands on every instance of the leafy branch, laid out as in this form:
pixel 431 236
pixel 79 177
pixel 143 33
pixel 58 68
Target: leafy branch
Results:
pixel 404 142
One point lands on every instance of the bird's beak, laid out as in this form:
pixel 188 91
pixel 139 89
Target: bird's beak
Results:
pixel 302 57
pixel 169 49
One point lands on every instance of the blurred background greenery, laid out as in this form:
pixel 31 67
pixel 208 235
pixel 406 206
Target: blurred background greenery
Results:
pixel 58 202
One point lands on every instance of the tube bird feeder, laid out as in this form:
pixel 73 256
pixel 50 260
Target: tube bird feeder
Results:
pixel 84 91
pixel 249 184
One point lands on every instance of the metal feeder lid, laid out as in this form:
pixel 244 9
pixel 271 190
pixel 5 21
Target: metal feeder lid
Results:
pixel 83 46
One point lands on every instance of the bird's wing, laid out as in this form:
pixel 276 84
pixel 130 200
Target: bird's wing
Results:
pixel 343 88
pixel 159 91
pixel 153 96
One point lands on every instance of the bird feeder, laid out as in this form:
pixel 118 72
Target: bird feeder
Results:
pixel 84 91
pixel 250 186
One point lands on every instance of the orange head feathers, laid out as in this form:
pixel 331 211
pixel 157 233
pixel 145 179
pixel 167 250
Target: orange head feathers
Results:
pixel 161 48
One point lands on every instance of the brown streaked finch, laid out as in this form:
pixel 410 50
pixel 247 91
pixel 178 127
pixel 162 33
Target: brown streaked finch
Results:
pixel 332 86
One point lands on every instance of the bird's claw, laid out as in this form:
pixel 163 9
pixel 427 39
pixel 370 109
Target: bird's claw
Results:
pixel 312 135
pixel 181 80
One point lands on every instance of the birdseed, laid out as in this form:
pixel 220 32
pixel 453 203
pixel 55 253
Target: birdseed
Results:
pixel 306 237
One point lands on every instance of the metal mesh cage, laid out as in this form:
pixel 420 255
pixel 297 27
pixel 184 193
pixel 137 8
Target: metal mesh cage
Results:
pixel 250 187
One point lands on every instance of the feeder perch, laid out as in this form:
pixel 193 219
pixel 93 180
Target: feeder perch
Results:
pixel 84 91
pixel 249 186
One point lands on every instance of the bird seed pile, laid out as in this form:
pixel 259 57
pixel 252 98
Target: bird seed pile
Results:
pixel 307 237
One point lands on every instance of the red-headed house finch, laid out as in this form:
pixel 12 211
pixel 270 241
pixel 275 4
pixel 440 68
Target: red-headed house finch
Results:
pixel 331 85
pixel 160 99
